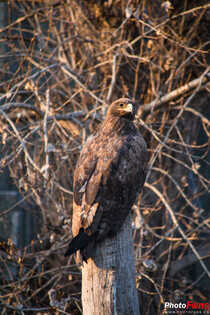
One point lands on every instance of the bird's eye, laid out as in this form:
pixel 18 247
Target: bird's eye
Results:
pixel 121 105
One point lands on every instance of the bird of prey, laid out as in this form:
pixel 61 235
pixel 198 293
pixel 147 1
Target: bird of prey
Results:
pixel 109 175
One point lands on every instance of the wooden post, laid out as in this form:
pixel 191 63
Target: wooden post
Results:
pixel 108 280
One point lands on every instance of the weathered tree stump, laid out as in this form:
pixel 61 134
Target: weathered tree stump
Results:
pixel 108 279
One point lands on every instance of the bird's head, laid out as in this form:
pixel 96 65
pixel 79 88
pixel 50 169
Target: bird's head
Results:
pixel 122 107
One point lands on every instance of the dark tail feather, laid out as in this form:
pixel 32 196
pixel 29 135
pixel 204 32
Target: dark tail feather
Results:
pixel 78 242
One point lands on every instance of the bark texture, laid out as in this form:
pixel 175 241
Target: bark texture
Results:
pixel 108 280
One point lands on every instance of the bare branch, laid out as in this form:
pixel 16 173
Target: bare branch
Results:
pixel 176 224
pixel 203 79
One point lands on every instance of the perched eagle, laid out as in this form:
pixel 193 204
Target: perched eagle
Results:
pixel 109 175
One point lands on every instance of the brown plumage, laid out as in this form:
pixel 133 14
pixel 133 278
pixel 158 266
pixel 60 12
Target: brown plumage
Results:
pixel 109 175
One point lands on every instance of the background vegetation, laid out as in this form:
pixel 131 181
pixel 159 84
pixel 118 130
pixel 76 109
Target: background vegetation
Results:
pixel 62 63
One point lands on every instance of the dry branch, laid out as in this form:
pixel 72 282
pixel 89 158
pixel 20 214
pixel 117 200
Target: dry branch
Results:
pixel 176 224
pixel 203 79
pixel 189 259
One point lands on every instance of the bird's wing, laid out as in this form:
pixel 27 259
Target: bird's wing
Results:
pixel 113 176
pixel 84 171
pixel 92 166
pixel 87 178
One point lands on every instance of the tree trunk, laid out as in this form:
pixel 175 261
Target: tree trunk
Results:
pixel 108 280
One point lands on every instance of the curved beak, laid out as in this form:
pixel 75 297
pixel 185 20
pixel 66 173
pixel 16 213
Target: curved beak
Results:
pixel 129 108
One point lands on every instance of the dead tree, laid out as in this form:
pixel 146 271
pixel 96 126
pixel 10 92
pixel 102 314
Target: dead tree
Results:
pixel 108 280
